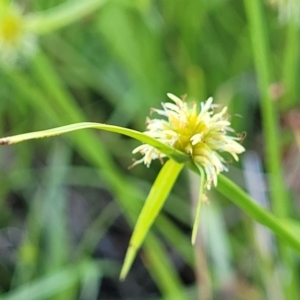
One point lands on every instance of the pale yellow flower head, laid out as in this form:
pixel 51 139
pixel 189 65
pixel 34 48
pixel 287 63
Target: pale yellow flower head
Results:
pixel 16 43
pixel 197 131
pixel 288 10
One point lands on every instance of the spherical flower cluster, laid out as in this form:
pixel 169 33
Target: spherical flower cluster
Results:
pixel 201 133
pixel 16 42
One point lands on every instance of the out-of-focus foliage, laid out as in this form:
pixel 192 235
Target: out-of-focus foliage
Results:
pixel 68 204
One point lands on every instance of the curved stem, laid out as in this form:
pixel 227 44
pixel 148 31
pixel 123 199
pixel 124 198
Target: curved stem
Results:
pixel 169 151
pixel 262 53
pixel 235 194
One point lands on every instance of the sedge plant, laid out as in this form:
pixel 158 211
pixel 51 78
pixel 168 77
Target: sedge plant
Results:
pixel 185 134
pixel 19 32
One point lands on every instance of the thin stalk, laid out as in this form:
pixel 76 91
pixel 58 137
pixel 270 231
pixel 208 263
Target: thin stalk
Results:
pixel 236 195
pixel 198 208
pixel 261 53
pixel 282 229
pixel 202 272
pixel 153 205
pixel 278 192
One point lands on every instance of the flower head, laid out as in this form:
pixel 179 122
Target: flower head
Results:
pixel 288 10
pixel 199 132
pixel 15 41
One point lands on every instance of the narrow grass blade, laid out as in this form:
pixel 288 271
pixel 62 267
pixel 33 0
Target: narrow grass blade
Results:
pixel 169 151
pixel 261 56
pixel 154 202
pixel 236 195
pixel 198 209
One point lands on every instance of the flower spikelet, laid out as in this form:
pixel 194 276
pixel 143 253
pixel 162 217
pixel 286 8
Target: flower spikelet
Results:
pixel 288 10
pixel 16 43
pixel 197 131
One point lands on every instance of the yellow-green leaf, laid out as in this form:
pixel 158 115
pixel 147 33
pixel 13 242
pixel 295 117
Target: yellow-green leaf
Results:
pixel 198 209
pixel 169 151
pixel 155 200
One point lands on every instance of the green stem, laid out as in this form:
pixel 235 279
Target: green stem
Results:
pixel 154 202
pixel 235 194
pixel 169 151
pixel 250 207
pixel 279 195
pixel 262 53
pixel 198 208
pixel 61 15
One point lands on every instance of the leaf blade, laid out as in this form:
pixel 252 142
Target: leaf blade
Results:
pixel 154 202
pixel 169 151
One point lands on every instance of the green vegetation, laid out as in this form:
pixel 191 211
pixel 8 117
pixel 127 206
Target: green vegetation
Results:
pixel 69 204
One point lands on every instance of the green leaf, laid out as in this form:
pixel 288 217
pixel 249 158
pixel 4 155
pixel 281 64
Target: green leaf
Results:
pixel 169 151
pixel 154 202
pixel 292 225
pixel 198 209
pixel 250 207
pixel 236 195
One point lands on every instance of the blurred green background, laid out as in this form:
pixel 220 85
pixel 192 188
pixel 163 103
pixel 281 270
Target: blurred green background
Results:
pixel 68 204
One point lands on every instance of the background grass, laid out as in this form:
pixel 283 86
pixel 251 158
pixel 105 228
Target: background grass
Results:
pixel 68 204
